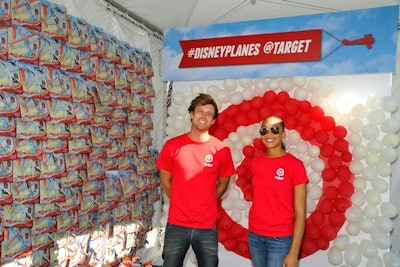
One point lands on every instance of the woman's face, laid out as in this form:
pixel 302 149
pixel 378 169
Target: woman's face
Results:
pixel 272 133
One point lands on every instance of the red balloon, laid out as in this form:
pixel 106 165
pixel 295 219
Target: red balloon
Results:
pixel 346 189
pixel 237 230
pixel 280 113
pixel 341 145
pixel 346 156
pixel 244 249
pixel 326 206
pixel 304 106
pixel 257 102
pixel 254 116
pixel 304 120
pixel 225 222
pixel 248 194
pixel 339 132
pixel 316 113
pixel 307 133
pixel 245 106
pixel 336 219
pixel 328 123
pixel 323 243
pixel 317 217
pixel 312 231
pixel 258 144
pixel 232 111
pixel 220 133
pixel 290 123
pixel 321 136
pixel 241 170
pixel 265 112
pixel 308 247
pixel 223 235
pixel 242 119
pixel 269 97
pixel 343 173
pixel 331 192
pixel 230 244
pixel 326 150
pixel 230 125
pixel 248 151
pixel 334 162
pixel 328 174
pixel 282 97
pixel 291 107
pixel 341 204
pixel 328 232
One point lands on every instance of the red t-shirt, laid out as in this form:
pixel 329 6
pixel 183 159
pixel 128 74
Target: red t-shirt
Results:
pixel 272 211
pixel 195 168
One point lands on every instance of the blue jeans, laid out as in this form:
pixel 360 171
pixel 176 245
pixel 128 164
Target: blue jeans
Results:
pixel 268 251
pixel 177 240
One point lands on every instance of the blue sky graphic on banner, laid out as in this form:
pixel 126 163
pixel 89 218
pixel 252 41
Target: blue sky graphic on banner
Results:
pixel 336 58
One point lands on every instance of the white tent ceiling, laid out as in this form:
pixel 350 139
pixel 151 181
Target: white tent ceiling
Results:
pixel 159 15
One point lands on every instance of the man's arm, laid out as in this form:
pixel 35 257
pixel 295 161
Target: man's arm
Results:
pixel 222 185
pixel 166 181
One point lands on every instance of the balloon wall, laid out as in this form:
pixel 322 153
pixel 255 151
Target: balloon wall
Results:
pixel 347 143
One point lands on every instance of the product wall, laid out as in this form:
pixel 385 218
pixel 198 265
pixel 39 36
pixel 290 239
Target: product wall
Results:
pixel 77 177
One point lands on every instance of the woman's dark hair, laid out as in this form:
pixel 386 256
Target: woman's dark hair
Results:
pixel 201 100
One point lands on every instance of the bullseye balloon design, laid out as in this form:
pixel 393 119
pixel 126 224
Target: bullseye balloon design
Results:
pixel 316 128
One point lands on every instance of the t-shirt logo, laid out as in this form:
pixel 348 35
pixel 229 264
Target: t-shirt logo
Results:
pixel 280 173
pixel 209 159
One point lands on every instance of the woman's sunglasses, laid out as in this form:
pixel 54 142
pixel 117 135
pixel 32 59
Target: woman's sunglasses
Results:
pixel 274 129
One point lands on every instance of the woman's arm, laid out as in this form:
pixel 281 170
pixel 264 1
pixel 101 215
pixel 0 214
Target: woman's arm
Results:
pixel 300 195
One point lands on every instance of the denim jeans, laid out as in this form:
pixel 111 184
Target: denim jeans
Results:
pixel 177 240
pixel 268 251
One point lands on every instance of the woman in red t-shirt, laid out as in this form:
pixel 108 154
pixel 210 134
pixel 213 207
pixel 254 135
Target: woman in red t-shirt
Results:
pixel 278 212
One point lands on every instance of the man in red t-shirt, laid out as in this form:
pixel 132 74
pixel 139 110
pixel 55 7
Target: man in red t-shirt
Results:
pixel 195 168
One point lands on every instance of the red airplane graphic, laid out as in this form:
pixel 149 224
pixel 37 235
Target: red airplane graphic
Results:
pixel 368 40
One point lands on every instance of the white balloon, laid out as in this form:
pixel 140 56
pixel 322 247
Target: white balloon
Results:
pixel 213 90
pixel 356 167
pixel 354 214
pixel 170 131
pixel 294 138
pixel 301 93
pixel 179 125
pixel 370 131
pixel 367 225
pixel 388 209
pixel 373 198
pixel 306 159
pixel 372 160
pixel 328 90
pixel 315 192
pixel 260 84
pixel 236 215
pixel 234 193
pixel 314 85
pixel 299 80
pixel 373 101
pixel 302 147
pixel 236 98
pixel 389 104
pixel 391 140
pixel 273 84
pixel 391 259
pixel 242 131
pixel 380 185
pixel 227 204
pixel 317 165
pixel 358 198
pixel 359 152
pixel 286 84
pixel 376 116
pixel 189 99
pixel 356 125
pixel 236 156
pixel 246 83
pixel 374 262
pixel 389 154
pixel 354 139
pixel 359 183
pixel 374 146
pixel 224 96
pixel 233 137
pixel 248 94
pixel 178 98
pixel 371 211
pixel 352 256
pixel 384 224
pixel 182 110
pixel 369 173
pixel 172 111
pixel 335 256
pixel 384 170
pixel 353 229
pixel 310 205
pixel 381 239
pixel 316 99
pixel 390 125
pixel 196 89
pixel 241 204
pixel 368 249
pixel 230 84
pixel 342 242
pixel 359 111
pixel 314 177
pixel 247 140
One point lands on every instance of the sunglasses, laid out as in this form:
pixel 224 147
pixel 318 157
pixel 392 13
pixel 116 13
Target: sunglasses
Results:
pixel 274 129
